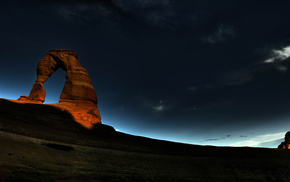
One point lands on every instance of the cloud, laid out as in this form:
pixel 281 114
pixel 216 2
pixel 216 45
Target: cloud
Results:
pixel 85 13
pixel 227 136
pixel 156 13
pixel 221 138
pixel 192 88
pixel 250 74
pixel 277 62
pixel 271 144
pixel 221 35
pixel 152 11
pixel 169 15
pixel 160 107
pixel 279 55
pixel 258 140
pixel 279 58
pixel 195 88
pixel 212 139
pixel 204 97
pixel 282 68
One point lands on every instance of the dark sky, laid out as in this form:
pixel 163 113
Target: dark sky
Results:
pixel 204 72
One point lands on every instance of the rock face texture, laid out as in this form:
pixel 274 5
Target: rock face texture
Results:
pixel 78 96
pixel 286 143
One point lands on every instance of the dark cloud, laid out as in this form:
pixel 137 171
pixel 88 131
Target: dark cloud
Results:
pixel 221 35
pixel 156 13
pixel 212 139
pixel 251 74
pixel 227 136
pixel 195 88
pixel 221 138
pixel 88 12
pixel 206 99
pixel 165 15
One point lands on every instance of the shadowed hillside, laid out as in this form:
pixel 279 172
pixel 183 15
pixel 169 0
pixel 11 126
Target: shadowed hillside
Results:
pixel 42 143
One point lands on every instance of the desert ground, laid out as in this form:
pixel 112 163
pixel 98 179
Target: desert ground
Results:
pixel 42 143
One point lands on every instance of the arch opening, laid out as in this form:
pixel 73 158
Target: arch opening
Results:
pixel 54 86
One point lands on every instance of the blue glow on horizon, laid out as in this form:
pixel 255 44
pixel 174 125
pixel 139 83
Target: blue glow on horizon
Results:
pixel 132 126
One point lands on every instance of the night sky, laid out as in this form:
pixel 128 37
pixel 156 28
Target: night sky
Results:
pixel 204 72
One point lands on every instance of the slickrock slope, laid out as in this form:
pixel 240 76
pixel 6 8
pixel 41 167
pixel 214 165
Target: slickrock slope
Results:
pixel 40 142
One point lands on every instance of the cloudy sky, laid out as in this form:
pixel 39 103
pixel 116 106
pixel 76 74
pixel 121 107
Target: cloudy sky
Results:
pixel 204 72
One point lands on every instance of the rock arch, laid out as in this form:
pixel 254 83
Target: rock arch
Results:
pixel 78 85
pixel 78 96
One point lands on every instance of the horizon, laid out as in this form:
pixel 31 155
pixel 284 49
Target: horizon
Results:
pixel 271 140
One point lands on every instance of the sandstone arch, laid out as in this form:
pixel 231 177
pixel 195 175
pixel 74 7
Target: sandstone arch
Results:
pixel 78 85
pixel 78 96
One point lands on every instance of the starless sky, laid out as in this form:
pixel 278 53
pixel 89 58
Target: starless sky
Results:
pixel 195 71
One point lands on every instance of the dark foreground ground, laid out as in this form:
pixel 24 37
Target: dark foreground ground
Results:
pixel 41 143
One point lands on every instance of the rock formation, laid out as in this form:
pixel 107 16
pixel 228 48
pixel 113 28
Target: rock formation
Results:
pixel 286 143
pixel 78 96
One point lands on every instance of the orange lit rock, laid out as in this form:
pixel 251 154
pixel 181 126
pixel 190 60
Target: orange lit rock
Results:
pixel 84 112
pixel 78 96
pixel 286 143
